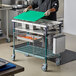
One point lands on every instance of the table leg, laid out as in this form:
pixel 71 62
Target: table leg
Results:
pixel 13 56
pixel 46 47
pixel 8 39
pixel 60 28
pixel 44 67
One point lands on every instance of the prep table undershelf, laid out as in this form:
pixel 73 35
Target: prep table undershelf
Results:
pixel 36 51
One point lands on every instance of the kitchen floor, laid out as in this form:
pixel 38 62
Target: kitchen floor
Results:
pixel 33 65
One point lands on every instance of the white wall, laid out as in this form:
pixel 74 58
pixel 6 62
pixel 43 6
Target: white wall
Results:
pixel 60 12
pixel 70 16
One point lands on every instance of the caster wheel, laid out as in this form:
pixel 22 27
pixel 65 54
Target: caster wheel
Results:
pixel 58 61
pixel 13 57
pixel 8 40
pixel 27 55
pixel 44 67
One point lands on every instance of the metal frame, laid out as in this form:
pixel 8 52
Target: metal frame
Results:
pixel 8 39
pixel 7 35
pixel 13 56
pixel 44 67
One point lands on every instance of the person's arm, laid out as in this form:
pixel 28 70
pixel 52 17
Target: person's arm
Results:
pixel 49 11
pixel 32 6
pixel 28 8
pixel 55 4
pixel 54 8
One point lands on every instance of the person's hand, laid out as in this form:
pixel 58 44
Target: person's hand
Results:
pixel 47 13
pixel 28 8
pixel 25 10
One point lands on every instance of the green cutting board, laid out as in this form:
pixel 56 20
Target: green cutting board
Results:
pixel 30 16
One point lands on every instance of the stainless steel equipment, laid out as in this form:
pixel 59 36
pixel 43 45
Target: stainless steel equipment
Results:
pixel 1 32
pixel 29 2
pixel 3 62
pixel 4 17
pixel 58 43
pixel 36 50
pixel 17 6
pixel 21 2
pixel 5 2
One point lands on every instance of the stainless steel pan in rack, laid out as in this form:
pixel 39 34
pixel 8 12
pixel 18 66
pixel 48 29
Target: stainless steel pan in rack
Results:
pixel 3 62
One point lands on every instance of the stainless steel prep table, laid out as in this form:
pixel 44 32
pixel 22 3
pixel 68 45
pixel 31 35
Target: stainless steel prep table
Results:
pixel 47 25
pixel 6 8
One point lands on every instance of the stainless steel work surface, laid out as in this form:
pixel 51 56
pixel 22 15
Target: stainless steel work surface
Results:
pixel 40 23
pixel 5 7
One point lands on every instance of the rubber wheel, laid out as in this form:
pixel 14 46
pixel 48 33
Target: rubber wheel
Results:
pixel 8 40
pixel 27 55
pixel 44 67
pixel 13 58
pixel 58 61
